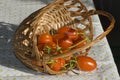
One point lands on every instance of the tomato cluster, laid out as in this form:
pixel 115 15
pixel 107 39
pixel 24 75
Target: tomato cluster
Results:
pixel 61 42
pixel 63 39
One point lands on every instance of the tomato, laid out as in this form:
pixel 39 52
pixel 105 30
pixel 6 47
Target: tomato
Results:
pixel 65 42
pixel 45 38
pixel 72 34
pixel 63 30
pixel 81 40
pixel 58 64
pixel 51 45
pixel 86 63
pixel 65 51
pixel 82 43
pixel 57 37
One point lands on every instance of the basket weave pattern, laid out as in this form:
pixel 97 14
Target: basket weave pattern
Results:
pixel 60 13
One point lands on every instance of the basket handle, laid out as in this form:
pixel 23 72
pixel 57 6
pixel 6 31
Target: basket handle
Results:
pixel 101 36
pixel 109 28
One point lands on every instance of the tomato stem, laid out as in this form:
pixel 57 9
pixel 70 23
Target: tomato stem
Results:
pixel 71 64
pixel 58 47
pixel 50 61
pixel 48 49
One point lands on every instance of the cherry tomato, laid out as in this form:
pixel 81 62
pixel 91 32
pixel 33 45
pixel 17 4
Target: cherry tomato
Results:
pixel 81 40
pixel 51 45
pixel 57 37
pixel 65 51
pixel 58 64
pixel 48 48
pixel 72 34
pixel 44 38
pixel 65 42
pixel 63 30
pixel 86 63
pixel 82 43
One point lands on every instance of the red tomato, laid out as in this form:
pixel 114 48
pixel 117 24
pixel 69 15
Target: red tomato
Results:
pixel 63 30
pixel 81 44
pixel 79 39
pixel 58 64
pixel 86 63
pixel 44 47
pixel 65 51
pixel 72 34
pixel 47 48
pixel 44 38
pixel 57 37
pixel 65 42
pixel 51 45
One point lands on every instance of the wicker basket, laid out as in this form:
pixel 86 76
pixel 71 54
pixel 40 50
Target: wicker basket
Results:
pixel 60 13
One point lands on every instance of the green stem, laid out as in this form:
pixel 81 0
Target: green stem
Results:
pixel 50 62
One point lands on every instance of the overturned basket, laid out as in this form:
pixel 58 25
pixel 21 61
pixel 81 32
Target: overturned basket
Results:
pixel 60 13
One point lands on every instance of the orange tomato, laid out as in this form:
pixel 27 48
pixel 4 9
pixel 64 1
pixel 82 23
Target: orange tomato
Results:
pixel 72 34
pixel 81 40
pixel 51 45
pixel 81 44
pixel 65 51
pixel 44 38
pixel 63 30
pixel 65 42
pixel 57 37
pixel 58 64
pixel 86 63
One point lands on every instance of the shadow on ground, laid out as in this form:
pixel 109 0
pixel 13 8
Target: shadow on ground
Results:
pixel 7 57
